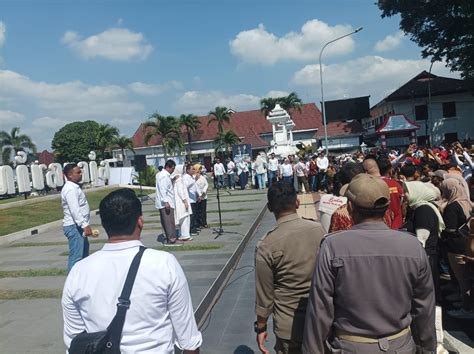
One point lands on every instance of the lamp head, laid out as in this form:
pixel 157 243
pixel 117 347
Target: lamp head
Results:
pixel 359 29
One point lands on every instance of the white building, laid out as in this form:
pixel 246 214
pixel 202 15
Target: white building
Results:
pixel 442 107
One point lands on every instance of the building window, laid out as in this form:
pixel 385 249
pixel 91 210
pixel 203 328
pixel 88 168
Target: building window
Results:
pixel 449 109
pixel 450 138
pixel 421 112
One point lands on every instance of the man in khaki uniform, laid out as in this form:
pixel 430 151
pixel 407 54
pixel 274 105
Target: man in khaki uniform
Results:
pixel 372 289
pixel 284 263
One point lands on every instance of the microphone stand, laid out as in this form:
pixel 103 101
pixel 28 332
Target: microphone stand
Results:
pixel 219 231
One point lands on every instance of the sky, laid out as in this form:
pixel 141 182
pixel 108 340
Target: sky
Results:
pixel 119 61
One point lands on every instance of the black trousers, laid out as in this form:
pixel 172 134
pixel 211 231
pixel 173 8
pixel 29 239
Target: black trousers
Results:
pixel 193 227
pixel 201 213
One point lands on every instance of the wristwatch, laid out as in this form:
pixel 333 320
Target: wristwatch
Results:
pixel 259 330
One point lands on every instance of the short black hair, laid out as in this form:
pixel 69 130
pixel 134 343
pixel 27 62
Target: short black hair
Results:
pixel 281 197
pixel 384 165
pixel 68 168
pixel 119 212
pixel 408 170
pixel 349 171
pixel 170 164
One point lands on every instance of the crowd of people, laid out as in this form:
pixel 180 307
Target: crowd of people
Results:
pixel 308 175
pixel 392 254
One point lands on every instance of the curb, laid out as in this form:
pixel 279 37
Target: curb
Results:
pixel 205 306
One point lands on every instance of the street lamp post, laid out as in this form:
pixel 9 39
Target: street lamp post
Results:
pixel 321 79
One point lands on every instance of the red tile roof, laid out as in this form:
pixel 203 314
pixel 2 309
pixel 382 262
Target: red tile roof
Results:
pixel 251 124
pixel 45 157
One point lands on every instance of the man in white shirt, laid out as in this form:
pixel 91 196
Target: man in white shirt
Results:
pixel 323 163
pixel 165 201
pixel 160 313
pixel 76 215
pixel 273 169
pixel 230 173
pixel 287 171
pixel 194 196
pixel 301 172
pixel 219 172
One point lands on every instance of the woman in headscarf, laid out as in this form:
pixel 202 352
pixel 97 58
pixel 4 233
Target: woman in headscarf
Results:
pixel 182 211
pixel 427 224
pixel 456 213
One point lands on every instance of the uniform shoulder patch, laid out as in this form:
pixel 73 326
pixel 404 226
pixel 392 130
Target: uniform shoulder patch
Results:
pixel 309 219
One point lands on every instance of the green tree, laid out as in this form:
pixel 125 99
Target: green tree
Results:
pixel 123 143
pixel 74 141
pixel 12 142
pixel 168 129
pixel 191 124
pixel 220 116
pixel 105 138
pixel 224 141
pixel 289 103
pixel 443 28
pixel 148 176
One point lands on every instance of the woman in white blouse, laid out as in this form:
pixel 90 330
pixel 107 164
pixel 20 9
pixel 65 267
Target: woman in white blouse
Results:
pixel 182 211
pixel 202 184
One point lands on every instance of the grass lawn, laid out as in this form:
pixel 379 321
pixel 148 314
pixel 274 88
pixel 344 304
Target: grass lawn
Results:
pixel 13 199
pixel 29 294
pixel 20 218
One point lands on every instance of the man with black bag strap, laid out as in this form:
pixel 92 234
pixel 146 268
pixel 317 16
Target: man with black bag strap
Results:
pixel 153 311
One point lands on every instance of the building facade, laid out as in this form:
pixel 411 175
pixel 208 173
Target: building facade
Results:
pixel 442 107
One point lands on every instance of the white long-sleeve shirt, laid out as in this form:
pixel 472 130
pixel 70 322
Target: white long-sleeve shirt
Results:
pixel 466 169
pixel 203 185
pixel 75 206
pixel 160 313
pixel 193 190
pixel 322 163
pixel 219 169
pixel 273 165
pixel 164 190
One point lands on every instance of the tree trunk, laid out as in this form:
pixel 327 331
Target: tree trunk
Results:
pixel 189 145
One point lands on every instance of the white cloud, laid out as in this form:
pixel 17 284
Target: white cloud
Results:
pixel 117 44
pixel 276 93
pixel 62 103
pixel 3 31
pixel 144 89
pixel 390 42
pixel 9 118
pixel 259 46
pixel 370 75
pixel 48 123
pixel 201 102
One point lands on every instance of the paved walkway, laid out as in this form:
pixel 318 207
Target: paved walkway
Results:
pixel 35 326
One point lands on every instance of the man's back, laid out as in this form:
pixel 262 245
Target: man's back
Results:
pixel 285 260
pixel 377 281
pixel 160 299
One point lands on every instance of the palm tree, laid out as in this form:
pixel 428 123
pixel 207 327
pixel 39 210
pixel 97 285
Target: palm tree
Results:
pixel 191 123
pixel 224 140
pixel 13 142
pixel 267 104
pixel 220 115
pixel 123 143
pixel 289 103
pixel 105 138
pixel 168 129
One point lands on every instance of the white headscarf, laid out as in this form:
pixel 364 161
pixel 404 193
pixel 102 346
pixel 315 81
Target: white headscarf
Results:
pixel 420 193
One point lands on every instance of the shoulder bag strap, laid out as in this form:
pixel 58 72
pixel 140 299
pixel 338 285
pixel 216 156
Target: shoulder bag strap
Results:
pixel 116 326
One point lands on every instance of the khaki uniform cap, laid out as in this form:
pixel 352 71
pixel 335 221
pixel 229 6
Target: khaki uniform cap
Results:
pixel 368 192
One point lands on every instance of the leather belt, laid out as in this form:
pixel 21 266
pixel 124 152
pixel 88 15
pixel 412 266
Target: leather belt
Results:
pixel 361 339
